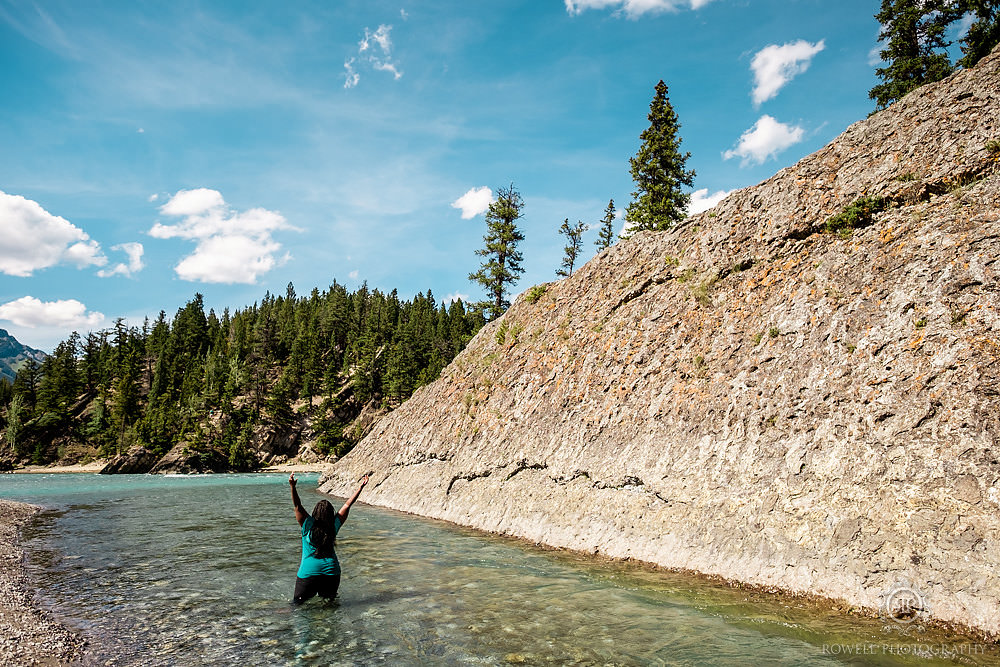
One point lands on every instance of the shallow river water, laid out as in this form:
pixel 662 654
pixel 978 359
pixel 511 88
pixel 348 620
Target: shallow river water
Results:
pixel 195 570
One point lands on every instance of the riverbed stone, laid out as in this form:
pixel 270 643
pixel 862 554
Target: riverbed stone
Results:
pixel 137 460
pixel 747 395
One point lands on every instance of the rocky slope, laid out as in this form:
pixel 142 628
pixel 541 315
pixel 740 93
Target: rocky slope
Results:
pixel 747 395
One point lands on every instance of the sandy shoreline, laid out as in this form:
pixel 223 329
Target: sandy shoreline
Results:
pixel 28 635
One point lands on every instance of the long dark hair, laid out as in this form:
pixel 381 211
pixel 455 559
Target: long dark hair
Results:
pixel 322 534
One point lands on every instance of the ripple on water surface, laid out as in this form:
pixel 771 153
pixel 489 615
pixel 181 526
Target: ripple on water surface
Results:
pixel 199 570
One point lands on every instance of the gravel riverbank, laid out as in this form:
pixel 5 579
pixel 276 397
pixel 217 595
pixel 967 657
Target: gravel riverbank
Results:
pixel 28 635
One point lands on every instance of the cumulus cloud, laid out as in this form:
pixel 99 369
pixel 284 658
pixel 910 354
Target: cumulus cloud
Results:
pixel 455 296
pixel 375 50
pixel 193 202
pixel 232 246
pixel 633 8
pixel 702 201
pixel 774 66
pixel 31 312
pixel 765 139
pixel 35 239
pixel 354 275
pixel 134 251
pixel 474 202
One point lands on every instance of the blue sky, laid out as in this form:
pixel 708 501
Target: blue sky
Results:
pixel 149 151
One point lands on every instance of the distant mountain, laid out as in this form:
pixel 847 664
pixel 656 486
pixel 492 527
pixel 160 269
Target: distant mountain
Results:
pixel 13 354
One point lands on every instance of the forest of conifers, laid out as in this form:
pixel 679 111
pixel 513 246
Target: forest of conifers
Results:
pixel 209 381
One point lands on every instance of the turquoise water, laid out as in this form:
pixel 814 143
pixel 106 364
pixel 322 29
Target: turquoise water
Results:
pixel 197 570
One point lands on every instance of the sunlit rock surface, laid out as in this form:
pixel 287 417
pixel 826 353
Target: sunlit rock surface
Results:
pixel 748 395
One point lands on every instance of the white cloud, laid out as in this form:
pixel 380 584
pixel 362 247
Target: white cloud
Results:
pixel 193 202
pixel 455 296
pixel 353 275
pixel 702 201
pixel 875 55
pixel 232 246
pixel 380 37
pixel 961 28
pixel 765 139
pixel 474 202
pixel 229 259
pixel 388 67
pixel 31 312
pixel 633 8
pixel 153 197
pixel 374 49
pixel 134 252
pixel 141 131
pixel 35 239
pixel 351 77
pixel 774 66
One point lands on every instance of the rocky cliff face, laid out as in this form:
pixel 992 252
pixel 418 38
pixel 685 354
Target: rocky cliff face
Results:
pixel 747 395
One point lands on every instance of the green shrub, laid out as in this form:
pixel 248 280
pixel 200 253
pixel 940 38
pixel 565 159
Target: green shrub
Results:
pixel 535 293
pixel 857 215
pixel 502 333
pixel 702 291
pixel 993 146
pixel 907 177
pixel 773 332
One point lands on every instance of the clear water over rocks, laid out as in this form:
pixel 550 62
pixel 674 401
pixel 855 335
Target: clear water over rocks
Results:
pixel 199 570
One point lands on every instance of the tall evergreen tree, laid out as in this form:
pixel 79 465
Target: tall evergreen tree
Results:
pixel 14 417
pixel 984 33
pixel 658 170
pixel 606 234
pixel 914 53
pixel 574 242
pixel 502 267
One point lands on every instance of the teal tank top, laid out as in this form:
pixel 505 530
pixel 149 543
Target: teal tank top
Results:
pixel 310 565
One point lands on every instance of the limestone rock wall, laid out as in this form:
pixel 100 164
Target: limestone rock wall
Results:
pixel 749 397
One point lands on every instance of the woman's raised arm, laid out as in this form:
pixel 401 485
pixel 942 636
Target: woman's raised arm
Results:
pixel 300 512
pixel 350 501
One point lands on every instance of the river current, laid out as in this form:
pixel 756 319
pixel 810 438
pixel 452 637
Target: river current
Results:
pixel 195 570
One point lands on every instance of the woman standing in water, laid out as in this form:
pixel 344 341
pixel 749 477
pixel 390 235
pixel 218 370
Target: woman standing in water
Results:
pixel 319 571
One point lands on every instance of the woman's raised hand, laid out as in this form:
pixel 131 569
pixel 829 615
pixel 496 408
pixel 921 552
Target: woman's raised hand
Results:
pixel 291 479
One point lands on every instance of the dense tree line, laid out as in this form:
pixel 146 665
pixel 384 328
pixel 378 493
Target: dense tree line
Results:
pixel 210 381
pixel 915 34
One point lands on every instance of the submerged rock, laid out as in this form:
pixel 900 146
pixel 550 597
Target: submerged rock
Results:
pixel 748 394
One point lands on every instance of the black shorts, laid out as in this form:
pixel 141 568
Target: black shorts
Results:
pixel 324 585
